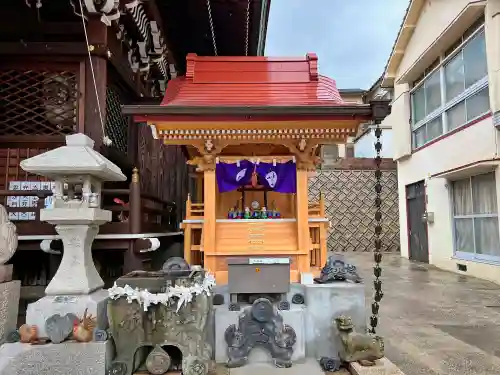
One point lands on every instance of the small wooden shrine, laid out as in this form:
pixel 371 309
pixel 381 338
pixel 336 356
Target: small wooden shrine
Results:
pixel 253 127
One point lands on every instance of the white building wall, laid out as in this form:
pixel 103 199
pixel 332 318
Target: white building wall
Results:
pixel 468 146
pixel 475 143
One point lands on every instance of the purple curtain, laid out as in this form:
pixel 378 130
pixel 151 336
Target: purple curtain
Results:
pixel 230 176
pixel 281 177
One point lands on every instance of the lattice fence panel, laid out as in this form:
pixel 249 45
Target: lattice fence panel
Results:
pixel 349 200
pixel 41 102
pixel 116 122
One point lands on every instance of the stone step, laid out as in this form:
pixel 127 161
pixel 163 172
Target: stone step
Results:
pixel 382 367
pixel 309 367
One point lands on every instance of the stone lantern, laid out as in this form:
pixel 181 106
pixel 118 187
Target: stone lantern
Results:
pixel 79 172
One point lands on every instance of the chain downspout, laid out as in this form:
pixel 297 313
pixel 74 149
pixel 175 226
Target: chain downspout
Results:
pixel 211 21
pixel 377 254
pixel 247 27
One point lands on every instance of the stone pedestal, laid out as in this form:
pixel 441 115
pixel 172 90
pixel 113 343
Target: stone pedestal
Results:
pixel 295 317
pixel 68 358
pixel 325 302
pixel 95 303
pixel 312 321
pixel 9 306
pixel 77 273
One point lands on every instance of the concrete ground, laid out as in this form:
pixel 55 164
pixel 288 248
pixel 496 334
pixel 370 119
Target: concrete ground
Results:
pixel 435 322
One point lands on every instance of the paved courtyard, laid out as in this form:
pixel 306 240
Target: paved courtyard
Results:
pixel 436 322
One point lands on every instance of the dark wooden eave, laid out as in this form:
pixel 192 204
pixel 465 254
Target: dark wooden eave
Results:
pixel 362 110
pixel 187 28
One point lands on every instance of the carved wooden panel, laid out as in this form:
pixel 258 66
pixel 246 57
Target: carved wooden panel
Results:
pixel 349 200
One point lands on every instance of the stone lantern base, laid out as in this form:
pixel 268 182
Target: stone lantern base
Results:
pixel 95 303
pixel 68 358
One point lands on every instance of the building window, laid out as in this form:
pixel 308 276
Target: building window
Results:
pixel 454 93
pixel 475 217
pixel 329 155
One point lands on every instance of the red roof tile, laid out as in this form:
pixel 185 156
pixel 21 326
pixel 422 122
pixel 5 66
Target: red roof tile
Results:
pixel 251 81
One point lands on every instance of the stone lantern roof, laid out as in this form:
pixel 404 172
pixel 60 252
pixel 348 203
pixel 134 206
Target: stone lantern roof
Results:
pixel 78 157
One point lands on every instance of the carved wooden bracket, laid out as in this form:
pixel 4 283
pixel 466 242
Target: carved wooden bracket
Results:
pixel 208 149
pixel 305 153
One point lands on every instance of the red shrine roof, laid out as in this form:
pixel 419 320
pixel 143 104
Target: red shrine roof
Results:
pixel 252 81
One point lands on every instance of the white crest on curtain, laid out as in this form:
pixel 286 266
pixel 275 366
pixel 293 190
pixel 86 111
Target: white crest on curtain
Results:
pixel 271 178
pixel 241 174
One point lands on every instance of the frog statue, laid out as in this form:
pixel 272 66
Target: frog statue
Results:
pixel 360 347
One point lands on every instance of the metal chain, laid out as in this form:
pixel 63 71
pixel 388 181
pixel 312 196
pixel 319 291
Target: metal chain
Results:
pixel 377 254
pixel 247 28
pixel 212 26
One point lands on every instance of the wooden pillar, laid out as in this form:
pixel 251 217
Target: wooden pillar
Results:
pixel 97 35
pixel 187 232
pixel 131 260
pixel 323 231
pixel 135 213
pixel 209 223
pixel 303 221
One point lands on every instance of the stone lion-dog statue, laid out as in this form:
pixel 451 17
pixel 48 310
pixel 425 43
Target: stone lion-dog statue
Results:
pixel 364 348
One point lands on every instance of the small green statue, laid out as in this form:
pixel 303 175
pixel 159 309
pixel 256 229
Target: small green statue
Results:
pixel 247 214
pixel 263 213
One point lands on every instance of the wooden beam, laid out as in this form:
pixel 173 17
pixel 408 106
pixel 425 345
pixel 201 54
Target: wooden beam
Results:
pixel 14 27
pixel 153 14
pixel 50 48
pixel 31 141
pixel 95 83
pixel 120 62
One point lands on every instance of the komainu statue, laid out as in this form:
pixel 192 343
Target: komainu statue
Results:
pixel 362 347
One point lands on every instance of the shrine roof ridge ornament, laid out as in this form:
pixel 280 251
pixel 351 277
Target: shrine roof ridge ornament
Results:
pixel 76 158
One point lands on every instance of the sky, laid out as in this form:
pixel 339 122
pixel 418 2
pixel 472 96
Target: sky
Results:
pixel 352 38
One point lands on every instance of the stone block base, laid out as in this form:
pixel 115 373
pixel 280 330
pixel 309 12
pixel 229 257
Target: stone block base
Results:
pixel 95 303
pixel 382 367
pixel 324 302
pixel 295 317
pixel 68 358
pixel 9 306
pixel 313 321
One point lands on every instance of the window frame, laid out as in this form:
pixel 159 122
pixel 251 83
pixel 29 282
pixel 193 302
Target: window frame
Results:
pixel 472 256
pixel 445 106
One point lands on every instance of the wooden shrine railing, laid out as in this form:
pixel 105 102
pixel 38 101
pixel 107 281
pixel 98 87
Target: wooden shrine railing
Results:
pixel 317 232
pixel 194 210
pixel 193 232
pixel 318 226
